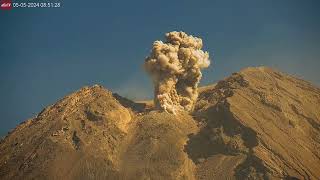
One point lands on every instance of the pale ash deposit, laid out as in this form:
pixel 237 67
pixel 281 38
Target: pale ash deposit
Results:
pixel 175 67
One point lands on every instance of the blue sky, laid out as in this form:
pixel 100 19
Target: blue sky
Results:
pixel 46 54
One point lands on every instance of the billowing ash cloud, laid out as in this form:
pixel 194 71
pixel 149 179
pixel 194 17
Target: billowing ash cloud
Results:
pixel 175 67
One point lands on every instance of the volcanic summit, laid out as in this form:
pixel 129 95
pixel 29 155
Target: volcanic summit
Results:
pixel 255 124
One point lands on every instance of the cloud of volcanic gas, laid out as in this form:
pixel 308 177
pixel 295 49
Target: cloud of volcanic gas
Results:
pixel 175 67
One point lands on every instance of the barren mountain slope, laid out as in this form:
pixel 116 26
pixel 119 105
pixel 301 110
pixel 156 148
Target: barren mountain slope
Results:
pixel 90 135
pixel 78 137
pixel 266 118
pixel 256 124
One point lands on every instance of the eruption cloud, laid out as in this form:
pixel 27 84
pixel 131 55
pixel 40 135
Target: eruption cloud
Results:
pixel 175 67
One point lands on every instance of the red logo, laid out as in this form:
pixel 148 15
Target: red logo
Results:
pixel 5 4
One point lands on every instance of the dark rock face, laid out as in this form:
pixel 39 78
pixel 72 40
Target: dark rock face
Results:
pixel 255 124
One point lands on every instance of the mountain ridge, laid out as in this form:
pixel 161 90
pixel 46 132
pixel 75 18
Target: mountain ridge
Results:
pixel 255 124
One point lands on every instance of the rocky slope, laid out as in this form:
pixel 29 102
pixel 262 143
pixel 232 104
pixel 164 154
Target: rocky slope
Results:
pixel 265 123
pixel 255 124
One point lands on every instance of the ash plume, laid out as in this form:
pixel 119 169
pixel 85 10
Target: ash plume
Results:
pixel 175 67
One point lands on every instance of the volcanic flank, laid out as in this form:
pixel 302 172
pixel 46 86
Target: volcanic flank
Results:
pixel 255 124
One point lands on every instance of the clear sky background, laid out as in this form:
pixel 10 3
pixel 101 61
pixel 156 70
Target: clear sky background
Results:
pixel 46 54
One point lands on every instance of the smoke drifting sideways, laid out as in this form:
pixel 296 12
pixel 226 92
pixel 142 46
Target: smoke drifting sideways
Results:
pixel 175 67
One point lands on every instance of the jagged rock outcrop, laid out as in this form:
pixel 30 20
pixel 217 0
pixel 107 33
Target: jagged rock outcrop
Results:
pixel 255 124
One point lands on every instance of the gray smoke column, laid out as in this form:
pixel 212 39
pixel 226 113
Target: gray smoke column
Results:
pixel 175 67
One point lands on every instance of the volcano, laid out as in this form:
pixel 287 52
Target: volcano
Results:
pixel 258 123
